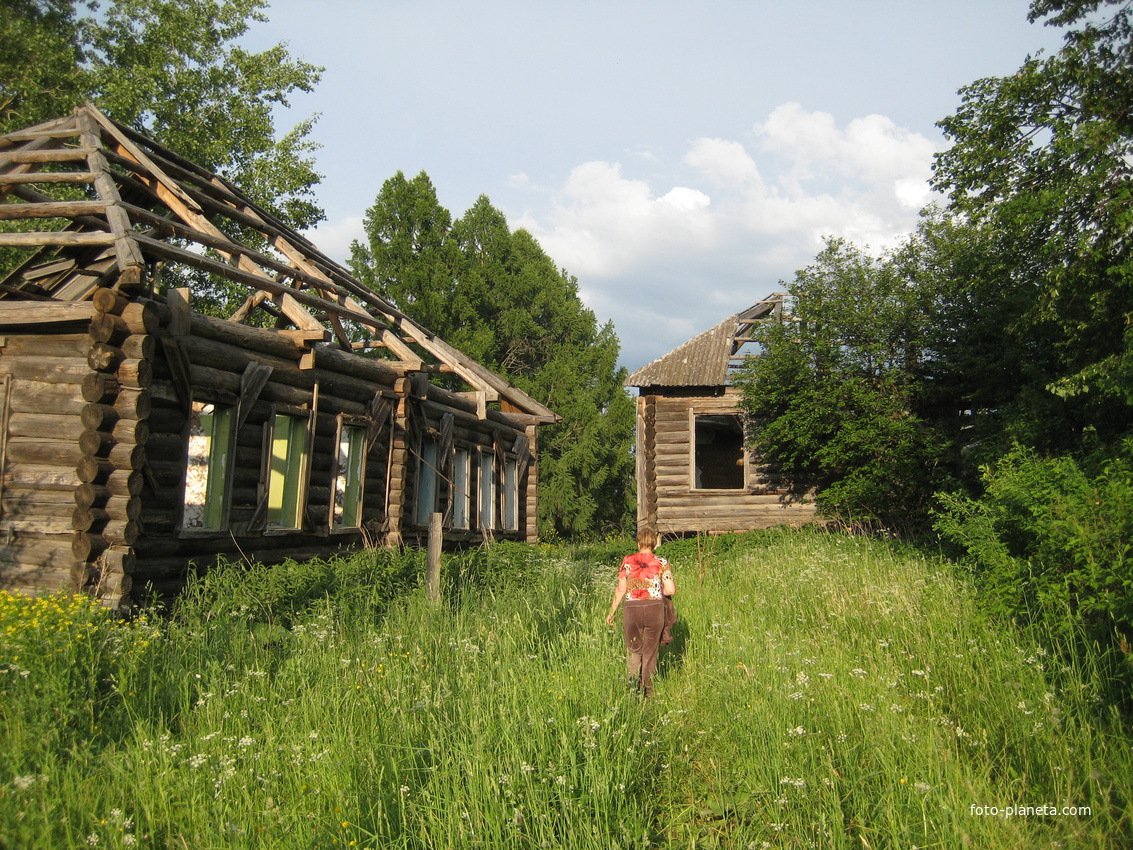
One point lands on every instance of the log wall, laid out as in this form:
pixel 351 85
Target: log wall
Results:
pixel 96 403
pixel 667 499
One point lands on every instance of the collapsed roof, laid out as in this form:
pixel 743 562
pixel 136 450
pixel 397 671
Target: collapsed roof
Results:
pixel 101 206
pixel 708 359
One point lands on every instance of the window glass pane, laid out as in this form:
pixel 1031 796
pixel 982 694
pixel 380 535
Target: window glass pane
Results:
pixel 718 455
pixel 206 468
pixel 427 482
pixel 286 471
pixel 349 477
pixel 460 497
pixel 487 489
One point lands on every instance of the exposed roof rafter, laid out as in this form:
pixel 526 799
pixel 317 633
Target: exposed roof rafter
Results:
pixel 140 204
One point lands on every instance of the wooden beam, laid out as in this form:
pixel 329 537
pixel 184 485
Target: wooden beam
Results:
pixel 44 312
pixel 26 240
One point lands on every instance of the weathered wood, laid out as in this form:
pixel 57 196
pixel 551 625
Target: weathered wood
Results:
pixel 40 347
pixel 39 397
pixel 109 301
pixel 59 428
pixel 141 317
pixel 47 370
pixel 98 387
pixel 64 239
pixel 40 477
pixel 37 451
pixel 137 374
pixel 104 358
pixel 131 405
pixel 15 314
pixel 126 433
pixel 108 328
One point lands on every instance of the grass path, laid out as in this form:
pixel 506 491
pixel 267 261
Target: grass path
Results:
pixel 821 692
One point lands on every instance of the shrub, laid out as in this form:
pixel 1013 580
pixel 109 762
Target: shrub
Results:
pixel 1051 541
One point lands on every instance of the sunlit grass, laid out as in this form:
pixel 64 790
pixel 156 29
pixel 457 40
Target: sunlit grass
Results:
pixel 821 692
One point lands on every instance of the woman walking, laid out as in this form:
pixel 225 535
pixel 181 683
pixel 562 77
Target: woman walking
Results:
pixel 644 580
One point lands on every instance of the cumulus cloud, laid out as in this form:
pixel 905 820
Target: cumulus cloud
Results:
pixel 668 261
pixel 333 238
pixel 605 223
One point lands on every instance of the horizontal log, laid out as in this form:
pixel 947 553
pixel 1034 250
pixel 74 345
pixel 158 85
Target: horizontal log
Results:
pixel 49 552
pixel 108 328
pixel 47 346
pixel 141 317
pixel 40 239
pixel 36 578
pixel 38 397
pixel 40 452
pixel 134 373
pixel 63 427
pixel 15 314
pixel 47 370
pixel 109 301
pixel 104 358
pixel 40 477
pixel 118 484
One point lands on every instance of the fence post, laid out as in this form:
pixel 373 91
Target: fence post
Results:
pixel 433 571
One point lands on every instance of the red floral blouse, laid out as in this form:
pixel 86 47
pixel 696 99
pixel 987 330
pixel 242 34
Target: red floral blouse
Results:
pixel 644 575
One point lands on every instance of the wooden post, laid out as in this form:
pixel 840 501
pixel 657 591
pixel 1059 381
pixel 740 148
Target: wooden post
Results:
pixel 433 572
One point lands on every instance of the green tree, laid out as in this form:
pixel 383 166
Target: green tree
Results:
pixel 41 61
pixel 835 395
pixel 498 297
pixel 1041 161
pixel 172 69
pixel 409 256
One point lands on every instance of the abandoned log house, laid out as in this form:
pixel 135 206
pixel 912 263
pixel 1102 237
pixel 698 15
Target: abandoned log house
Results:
pixel 140 435
pixel 694 472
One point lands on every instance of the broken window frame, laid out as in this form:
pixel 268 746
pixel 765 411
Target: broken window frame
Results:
pixel 697 456
pixel 348 475
pixel 218 466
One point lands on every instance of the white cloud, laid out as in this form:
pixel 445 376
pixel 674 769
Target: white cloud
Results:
pixel 334 238
pixel 724 163
pixel 666 262
pixel 605 224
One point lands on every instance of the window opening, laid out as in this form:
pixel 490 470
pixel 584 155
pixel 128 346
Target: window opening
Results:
pixel 349 477
pixel 487 489
pixel 718 453
pixel 511 495
pixel 287 472
pixel 427 482
pixel 460 492
pixel 206 467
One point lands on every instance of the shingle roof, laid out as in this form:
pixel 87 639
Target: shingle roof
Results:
pixel 706 359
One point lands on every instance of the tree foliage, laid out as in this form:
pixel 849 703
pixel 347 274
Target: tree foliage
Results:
pixel 1043 160
pixel 173 69
pixel 835 397
pixel 497 296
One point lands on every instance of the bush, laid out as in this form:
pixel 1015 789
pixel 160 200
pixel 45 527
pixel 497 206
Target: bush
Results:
pixel 1051 542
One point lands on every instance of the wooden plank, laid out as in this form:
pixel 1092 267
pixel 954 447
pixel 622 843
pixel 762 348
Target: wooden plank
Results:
pixel 16 313
pixel 53 209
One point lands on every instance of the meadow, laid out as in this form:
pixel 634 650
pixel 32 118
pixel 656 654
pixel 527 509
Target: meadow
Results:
pixel 822 691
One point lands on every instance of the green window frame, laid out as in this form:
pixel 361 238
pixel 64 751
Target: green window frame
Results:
pixel 349 477
pixel 287 472
pixel 461 487
pixel 207 467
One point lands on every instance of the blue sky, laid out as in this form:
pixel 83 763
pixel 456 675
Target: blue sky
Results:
pixel 681 159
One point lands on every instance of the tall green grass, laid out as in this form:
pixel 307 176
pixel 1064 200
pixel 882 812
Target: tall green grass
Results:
pixel 821 691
